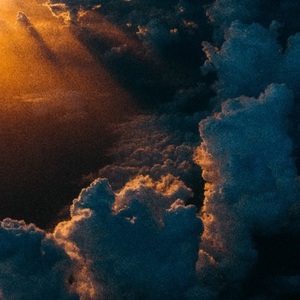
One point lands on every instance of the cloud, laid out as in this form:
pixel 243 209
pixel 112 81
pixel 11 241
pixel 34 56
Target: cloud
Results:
pixel 251 180
pixel 32 264
pixel 250 59
pixel 156 35
pixel 70 10
pixel 246 62
pixel 155 146
pixel 130 253
pixel 166 28
pixel 252 189
pixel 222 13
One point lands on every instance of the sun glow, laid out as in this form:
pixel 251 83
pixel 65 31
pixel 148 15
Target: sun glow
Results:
pixel 53 89
pixel 39 54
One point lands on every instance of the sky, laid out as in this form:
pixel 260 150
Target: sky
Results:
pixel 149 149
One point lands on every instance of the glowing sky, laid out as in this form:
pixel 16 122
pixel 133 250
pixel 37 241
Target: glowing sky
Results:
pixel 55 99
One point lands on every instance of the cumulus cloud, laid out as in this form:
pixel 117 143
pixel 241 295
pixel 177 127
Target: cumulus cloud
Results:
pixel 140 242
pixel 32 264
pixel 252 189
pixel 222 13
pixel 250 59
pixel 246 62
pixel 131 254
pixel 250 179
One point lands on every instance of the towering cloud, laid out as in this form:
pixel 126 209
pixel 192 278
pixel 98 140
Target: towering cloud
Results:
pixel 250 179
pixel 247 148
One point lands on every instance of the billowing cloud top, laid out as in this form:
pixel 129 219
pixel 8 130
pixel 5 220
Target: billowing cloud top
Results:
pixel 127 246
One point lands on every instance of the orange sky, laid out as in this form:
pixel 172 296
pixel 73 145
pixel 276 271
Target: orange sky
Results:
pixel 57 103
pixel 34 62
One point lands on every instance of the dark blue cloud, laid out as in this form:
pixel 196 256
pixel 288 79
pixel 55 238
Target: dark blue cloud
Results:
pixel 33 265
